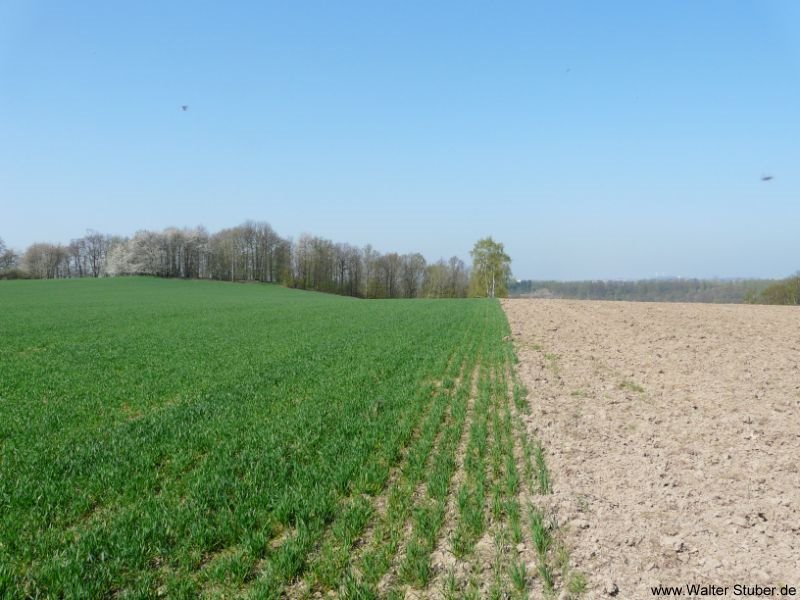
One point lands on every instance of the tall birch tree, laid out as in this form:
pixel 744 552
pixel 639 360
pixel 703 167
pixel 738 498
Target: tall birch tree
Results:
pixel 491 269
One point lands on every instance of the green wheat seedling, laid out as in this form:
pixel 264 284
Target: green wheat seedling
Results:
pixel 543 474
pixel 577 584
pixel 451 586
pixel 519 577
pixel 542 541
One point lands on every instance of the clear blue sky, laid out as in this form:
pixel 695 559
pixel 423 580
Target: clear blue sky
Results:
pixel 595 139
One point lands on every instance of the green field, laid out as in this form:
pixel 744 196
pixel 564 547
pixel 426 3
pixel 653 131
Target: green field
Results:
pixel 165 438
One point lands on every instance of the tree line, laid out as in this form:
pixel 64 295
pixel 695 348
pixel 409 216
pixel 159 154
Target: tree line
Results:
pixel 729 291
pixel 253 251
pixel 785 291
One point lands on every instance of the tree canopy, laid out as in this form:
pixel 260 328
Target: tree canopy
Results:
pixel 252 251
pixel 491 269
pixel 786 291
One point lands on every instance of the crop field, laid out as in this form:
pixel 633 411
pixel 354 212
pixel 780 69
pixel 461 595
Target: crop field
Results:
pixel 189 439
pixel 674 432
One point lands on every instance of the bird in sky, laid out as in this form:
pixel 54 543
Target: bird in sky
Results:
pixel 766 177
pixel 184 107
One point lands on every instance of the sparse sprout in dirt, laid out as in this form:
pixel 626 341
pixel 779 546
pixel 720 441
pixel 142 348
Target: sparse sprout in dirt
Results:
pixel 631 386
pixel 541 533
pixel 472 592
pixel 552 362
pixel 547 577
pixel 543 475
pixel 562 559
pixel 577 584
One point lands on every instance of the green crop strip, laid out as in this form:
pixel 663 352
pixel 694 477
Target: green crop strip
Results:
pixel 190 439
pixel 389 530
pixel 429 515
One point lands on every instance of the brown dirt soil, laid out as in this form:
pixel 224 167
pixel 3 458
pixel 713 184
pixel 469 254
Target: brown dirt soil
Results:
pixel 672 433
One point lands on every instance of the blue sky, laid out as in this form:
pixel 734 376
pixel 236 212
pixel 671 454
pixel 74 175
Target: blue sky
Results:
pixel 595 139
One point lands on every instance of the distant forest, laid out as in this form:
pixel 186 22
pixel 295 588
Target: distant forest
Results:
pixel 728 291
pixel 252 251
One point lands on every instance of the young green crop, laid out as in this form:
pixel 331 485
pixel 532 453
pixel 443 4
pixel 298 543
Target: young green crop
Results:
pixel 164 436
pixel 190 439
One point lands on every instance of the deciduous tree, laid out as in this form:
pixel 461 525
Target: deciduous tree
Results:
pixel 491 269
pixel 8 258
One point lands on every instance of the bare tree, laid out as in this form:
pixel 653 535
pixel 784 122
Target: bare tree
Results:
pixel 436 280
pixel 76 258
pixel 96 246
pixel 8 258
pixel 302 262
pixel 412 273
pixel 252 251
pixel 46 261
pixel 388 266
pixel 370 257
pixel 458 278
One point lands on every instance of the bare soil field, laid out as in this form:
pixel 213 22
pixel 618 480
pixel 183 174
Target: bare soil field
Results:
pixel 672 434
